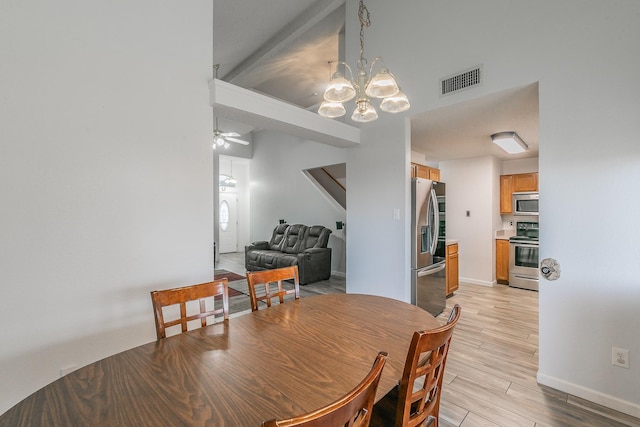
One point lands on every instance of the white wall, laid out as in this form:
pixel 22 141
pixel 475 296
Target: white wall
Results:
pixel 378 255
pixel 470 187
pixel 280 190
pixel 105 176
pixel 582 55
pixel 510 167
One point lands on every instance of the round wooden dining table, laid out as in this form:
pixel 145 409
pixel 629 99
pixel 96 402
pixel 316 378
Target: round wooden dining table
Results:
pixel 278 362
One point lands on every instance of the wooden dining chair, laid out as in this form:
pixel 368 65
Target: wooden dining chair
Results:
pixel 352 410
pixel 269 278
pixel 182 296
pixel 416 400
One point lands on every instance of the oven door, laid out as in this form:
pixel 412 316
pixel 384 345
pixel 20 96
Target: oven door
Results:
pixel 523 265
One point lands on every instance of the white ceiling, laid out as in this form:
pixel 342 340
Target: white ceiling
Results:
pixel 464 130
pixel 282 48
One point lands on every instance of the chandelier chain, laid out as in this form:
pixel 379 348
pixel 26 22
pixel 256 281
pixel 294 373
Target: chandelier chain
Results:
pixel 365 21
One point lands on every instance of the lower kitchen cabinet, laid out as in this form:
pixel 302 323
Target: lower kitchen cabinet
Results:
pixel 452 268
pixel 502 261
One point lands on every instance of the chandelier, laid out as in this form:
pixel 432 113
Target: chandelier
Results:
pixel 366 85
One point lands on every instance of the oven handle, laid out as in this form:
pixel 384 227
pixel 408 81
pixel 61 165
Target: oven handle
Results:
pixel 524 245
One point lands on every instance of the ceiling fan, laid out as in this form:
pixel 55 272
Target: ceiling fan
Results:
pixel 220 138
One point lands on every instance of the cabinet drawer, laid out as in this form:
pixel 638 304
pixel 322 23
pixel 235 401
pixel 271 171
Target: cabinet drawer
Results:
pixel 452 249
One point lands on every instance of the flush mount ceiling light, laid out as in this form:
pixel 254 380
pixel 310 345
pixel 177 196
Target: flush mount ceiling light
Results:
pixel 366 85
pixel 220 138
pixel 509 142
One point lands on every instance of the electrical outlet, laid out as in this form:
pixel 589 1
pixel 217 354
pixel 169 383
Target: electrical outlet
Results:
pixel 620 357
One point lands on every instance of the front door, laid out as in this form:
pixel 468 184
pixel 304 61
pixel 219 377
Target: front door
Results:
pixel 228 221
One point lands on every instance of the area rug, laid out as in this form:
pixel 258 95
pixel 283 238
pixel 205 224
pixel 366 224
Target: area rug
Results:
pixel 232 293
pixel 230 276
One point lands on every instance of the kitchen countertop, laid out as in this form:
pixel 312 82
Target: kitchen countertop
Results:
pixel 450 242
pixel 505 234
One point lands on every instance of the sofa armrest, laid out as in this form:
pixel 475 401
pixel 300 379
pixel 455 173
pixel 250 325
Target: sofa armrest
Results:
pixel 314 264
pixel 316 251
pixel 257 245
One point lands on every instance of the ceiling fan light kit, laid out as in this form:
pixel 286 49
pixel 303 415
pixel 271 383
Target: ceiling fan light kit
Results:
pixel 366 85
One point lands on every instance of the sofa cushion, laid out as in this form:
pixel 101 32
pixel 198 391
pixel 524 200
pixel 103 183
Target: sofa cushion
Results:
pixel 262 259
pixel 294 239
pixel 286 260
pixel 317 237
pixel 277 238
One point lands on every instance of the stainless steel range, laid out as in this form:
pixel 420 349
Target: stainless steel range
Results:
pixel 523 256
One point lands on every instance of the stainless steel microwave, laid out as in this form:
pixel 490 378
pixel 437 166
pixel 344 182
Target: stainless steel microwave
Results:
pixel 525 203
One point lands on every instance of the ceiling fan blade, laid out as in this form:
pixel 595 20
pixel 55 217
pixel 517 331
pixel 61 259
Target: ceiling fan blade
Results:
pixel 239 141
pixel 231 134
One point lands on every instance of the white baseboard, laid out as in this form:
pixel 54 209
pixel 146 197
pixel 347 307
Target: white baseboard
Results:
pixel 476 282
pixel 594 396
pixel 339 274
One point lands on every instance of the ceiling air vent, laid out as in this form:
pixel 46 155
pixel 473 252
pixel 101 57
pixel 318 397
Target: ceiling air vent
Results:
pixel 460 81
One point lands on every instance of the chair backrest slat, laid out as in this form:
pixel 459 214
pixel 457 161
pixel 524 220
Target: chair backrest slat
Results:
pixel 180 296
pixel 274 277
pixel 426 359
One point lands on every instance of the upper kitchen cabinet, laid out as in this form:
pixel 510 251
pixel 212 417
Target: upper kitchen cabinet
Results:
pixel 525 182
pixel 510 184
pixel 421 171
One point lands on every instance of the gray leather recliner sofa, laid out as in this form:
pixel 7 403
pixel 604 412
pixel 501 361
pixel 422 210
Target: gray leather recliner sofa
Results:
pixel 296 244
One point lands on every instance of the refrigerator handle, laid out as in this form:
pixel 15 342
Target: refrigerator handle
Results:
pixel 435 227
pixel 431 270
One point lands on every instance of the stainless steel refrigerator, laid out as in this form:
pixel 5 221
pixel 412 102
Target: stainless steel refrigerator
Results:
pixel 428 225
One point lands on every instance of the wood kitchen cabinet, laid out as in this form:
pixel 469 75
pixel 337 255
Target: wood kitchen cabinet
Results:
pixel 525 182
pixel 451 262
pixel 510 184
pixel 422 171
pixel 502 261
pixel 506 192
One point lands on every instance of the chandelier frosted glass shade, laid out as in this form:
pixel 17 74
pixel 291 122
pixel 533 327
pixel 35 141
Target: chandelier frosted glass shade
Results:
pixel 382 85
pixel 364 112
pixel 331 109
pixel 339 89
pixel 396 103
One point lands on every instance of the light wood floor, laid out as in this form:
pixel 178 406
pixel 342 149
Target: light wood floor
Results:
pixel 491 369
pixel 490 378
